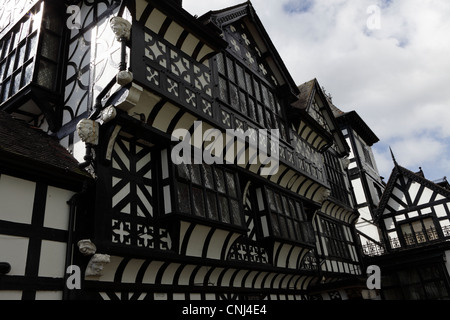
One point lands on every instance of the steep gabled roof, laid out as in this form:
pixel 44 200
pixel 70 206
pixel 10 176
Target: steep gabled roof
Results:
pixel 246 13
pixel 308 92
pixel 418 177
pixel 353 119
pixel 25 148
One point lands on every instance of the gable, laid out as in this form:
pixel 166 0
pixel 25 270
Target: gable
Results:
pixel 244 46
pixel 249 42
pixel 314 120
pixel 411 197
pixel 413 210
pixel 316 111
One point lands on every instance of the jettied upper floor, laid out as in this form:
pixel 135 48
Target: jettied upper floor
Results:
pixel 223 69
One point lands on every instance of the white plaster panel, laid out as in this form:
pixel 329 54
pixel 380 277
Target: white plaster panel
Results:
pixel 440 211
pixel 57 209
pixel 49 295
pixel 14 251
pixel 52 259
pixel 16 198
pixel 10 295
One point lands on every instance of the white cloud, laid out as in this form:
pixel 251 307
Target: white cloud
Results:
pixel 396 77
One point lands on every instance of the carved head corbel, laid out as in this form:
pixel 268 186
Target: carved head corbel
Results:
pixel 121 28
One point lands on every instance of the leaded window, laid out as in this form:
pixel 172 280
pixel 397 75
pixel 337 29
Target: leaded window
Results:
pixel 333 239
pixel 419 231
pixel 17 54
pixel 336 178
pixel 32 54
pixel 250 95
pixel 288 219
pixel 208 192
pixel 315 112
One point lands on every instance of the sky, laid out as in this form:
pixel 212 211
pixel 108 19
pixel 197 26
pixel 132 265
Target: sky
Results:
pixel 388 60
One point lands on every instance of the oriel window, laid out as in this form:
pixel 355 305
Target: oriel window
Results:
pixel 18 52
pixel 287 217
pixel 209 192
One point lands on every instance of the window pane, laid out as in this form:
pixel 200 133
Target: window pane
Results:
pixel 10 64
pixel 5 93
pixel 21 57
pixel 231 184
pixel 31 48
pixel 224 210
pixel 271 200
pixel 47 74
pixel 292 233
pixel 50 47
pixel 248 81
pixel 212 205
pixel 50 22
pixel 236 212
pixel 278 203
pixel 265 95
pixel 234 96
pixel 196 175
pixel 2 70
pixel 298 231
pixel 220 183
pixel 269 120
pixel 240 76
pixel 230 70
pixel 260 114
pixel 300 212
pixel 275 226
pixel 283 227
pixel 6 47
pixel 285 206
pixel 208 176
pixel 184 198
pixel 16 83
pixel 243 102
pixel 220 64
pixel 183 171
pixel 25 29
pixel 28 74
pixel 199 206
pixel 292 209
pixel 223 91
pixel 257 92
pixel 251 109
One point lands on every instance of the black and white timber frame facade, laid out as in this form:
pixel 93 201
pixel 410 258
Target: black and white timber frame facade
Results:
pixel 114 90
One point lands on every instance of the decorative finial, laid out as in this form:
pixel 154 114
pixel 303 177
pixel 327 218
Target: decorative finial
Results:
pixel 393 157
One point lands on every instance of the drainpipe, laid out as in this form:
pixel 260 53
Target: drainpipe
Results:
pixel 73 204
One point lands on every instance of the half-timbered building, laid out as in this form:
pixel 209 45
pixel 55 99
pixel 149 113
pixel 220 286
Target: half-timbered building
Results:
pixel 212 175
pixel 40 190
pixel 368 186
pixel 414 219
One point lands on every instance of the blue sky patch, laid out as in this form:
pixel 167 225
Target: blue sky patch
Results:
pixel 298 6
